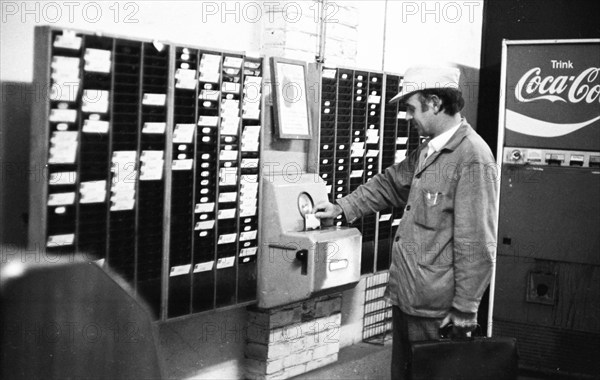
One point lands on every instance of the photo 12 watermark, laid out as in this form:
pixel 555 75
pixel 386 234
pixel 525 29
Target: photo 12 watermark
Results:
pixel 269 11
pixel 53 12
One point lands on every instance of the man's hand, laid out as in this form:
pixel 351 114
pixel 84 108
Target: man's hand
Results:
pixel 463 323
pixel 326 210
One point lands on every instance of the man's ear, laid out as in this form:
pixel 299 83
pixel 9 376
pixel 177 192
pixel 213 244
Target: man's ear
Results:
pixel 436 103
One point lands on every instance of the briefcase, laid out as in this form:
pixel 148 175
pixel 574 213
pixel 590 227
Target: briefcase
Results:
pixel 464 358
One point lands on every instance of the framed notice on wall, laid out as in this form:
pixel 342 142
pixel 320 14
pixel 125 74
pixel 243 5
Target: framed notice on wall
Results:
pixel 290 100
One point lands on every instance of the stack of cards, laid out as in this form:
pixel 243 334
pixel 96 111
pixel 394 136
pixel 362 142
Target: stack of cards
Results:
pixel 97 61
pixel 123 180
pixel 65 79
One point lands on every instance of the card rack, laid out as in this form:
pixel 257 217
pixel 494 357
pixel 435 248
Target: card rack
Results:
pixel 358 130
pixel 151 155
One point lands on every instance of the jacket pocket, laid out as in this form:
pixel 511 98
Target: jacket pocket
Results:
pixel 430 210
pixel 435 287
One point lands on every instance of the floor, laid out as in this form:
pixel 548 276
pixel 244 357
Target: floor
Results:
pixel 368 362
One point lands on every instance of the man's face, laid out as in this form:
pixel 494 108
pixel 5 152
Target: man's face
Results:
pixel 421 120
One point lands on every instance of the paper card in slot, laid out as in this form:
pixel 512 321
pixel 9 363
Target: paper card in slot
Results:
pixel 228 176
pixel 95 101
pixel 60 240
pixel 250 235
pixel 68 64
pixel 154 128
pixel 152 170
pixel 204 267
pixel 248 203
pixel 122 205
pixel 249 179
pixel 209 95
pixel 329 73
pixel 251 105
pixel 235 62
pixel 65 90
pixel 210 77
pixel 372 136
pixel 402 115
pixel 385 217
pixel 225 262
pixel 180 270
pixel 251 114
pixel 250 64
pixel 229 197
pixel 249 163
pixel 208 121
pixel 248 212
pixel 92 192
pixel 68 40
pixel 63 149
pixel 182 164
pixel 92 197
pixel 97 54
pixel 227 238
pixel 248 186
pixel 231 71
pixel 402 140
pixel 151 155
pixel 228 104
pixel 184 133
pixel 124 156
pixel 400 155
pixel 356 173
pixel 372 153
pixel 374 99
pixel 62 178
pixel 150 99
pixel 248 251
pixel 61 199
pixel 396 222
pixel 205 225
pixel 252 130
pixel 95 126
pixel 185 74
pixel 228 155
pixel 63 115
pixel 226 214
pixel 204 207
pixel 250 147
pixel 358 146
pixel 357 153
pixel 97 61
pixel 251 80
pixel 186 83
pixel 230 87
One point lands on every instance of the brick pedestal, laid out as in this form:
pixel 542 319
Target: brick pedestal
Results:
pixel 290 340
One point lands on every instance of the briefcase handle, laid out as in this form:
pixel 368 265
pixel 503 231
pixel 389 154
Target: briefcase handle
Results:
pixel 450 332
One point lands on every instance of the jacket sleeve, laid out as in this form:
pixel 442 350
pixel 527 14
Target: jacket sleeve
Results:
pixel 475 222
pixel 384 190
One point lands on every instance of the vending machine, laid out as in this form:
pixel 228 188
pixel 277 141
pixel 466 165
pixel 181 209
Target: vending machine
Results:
pixel 546 288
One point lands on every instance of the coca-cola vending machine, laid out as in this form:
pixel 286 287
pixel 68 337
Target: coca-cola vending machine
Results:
pixel 546 288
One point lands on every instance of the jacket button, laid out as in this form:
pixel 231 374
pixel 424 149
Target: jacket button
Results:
pixel 408 208
pixel 397 238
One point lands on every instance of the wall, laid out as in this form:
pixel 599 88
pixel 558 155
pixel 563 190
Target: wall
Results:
pixel 211 346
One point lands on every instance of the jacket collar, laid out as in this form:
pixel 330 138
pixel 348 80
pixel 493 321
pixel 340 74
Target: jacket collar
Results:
pixel 462 132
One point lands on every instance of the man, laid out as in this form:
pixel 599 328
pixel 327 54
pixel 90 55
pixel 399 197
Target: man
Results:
pixel 445 243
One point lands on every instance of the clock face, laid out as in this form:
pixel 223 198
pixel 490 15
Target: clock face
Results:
pixel 305 204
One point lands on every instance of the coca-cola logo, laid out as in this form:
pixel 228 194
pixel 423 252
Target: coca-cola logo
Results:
pixel 563 88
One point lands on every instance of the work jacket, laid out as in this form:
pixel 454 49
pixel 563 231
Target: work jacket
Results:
pixel 445 244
